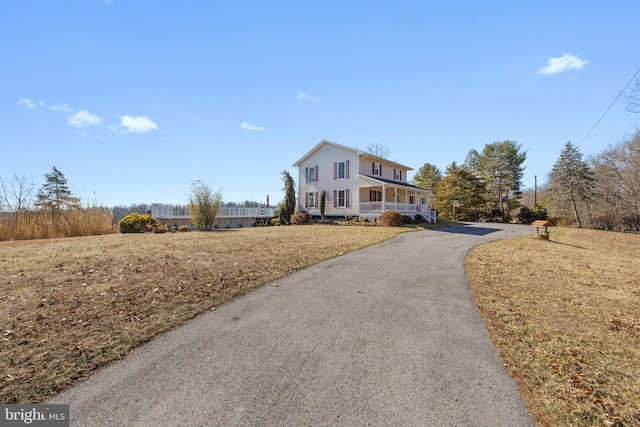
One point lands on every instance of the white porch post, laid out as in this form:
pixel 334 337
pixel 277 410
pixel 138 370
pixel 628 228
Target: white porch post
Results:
pixel 406 200
pixel 384 196
pixel 395 198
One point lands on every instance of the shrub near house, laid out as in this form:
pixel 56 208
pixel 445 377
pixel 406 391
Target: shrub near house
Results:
pixel 391 218
pixel 134 223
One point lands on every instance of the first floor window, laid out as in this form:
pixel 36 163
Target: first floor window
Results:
pixel 341 198
pixel 376 196
pixel 311 200
pixel 412 200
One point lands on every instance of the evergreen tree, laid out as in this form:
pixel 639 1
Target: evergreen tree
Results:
pixel 460 185
pixel 55 194
pixel 500 167
pixel 571 181
pixel 472 161
pixel 288 207
pixel 427 177
pixel 323 203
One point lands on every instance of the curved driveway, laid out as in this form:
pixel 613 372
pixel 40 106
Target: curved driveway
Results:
pixel 385 336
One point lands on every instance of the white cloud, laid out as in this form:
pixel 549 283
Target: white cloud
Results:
pixel 30 104
pixel 84 118
pixel 303 95
pixel 247 126
pixel 138 124
pixel 561 64
pixel 64 108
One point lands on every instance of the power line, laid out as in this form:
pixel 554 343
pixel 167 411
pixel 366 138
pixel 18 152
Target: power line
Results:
pixel 609 108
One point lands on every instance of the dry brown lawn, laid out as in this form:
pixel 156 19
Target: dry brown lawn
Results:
pixel 565 316
pixel 71 306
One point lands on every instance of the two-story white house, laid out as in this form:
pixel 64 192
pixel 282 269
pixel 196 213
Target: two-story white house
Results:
pixel 357 183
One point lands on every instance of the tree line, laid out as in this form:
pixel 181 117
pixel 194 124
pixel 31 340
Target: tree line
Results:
pixel 488 185
pixel 602 191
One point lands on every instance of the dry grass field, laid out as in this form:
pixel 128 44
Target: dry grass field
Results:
pixel 73 305
pixel 565 316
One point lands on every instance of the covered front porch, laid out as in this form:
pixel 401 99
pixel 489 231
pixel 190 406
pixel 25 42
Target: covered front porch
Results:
pixel 405 198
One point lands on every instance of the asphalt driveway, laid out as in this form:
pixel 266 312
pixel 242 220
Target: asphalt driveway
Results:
pixel 385 336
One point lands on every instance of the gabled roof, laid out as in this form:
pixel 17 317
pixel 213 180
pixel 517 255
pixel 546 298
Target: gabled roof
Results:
pixel 361 154
pixel 377 159
pixel 318 147
pixel 390 181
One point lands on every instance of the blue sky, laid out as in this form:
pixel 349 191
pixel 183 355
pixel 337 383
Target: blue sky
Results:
pixel 134 99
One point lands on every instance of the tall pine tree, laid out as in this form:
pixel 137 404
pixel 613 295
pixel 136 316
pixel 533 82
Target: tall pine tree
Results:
pixel 55 194
pixel 460 185
pixel 500 167
pixel 571 181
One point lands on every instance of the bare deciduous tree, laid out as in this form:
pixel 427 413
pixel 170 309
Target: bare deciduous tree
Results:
pixel 378 149
pixel 17 193
pixel 616 204
pixel 632 98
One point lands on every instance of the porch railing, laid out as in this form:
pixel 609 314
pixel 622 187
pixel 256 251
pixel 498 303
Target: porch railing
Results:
pixel 169 211
pixel 403 208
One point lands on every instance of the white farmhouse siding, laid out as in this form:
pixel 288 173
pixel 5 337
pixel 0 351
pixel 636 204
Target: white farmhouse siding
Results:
pixel 333 169
pixel 356 183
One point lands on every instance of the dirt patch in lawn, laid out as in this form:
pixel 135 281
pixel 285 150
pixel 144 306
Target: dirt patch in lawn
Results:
pixel 565 316
pixel 71 306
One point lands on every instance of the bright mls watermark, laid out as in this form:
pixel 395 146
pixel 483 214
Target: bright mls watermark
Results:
pixel 34 415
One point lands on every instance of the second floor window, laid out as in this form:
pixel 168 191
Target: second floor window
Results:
pixel 397 175
pixel 312 174
pixel 376 169
pixel 341 170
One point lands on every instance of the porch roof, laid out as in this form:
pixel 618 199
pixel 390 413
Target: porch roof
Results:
pixel 382 181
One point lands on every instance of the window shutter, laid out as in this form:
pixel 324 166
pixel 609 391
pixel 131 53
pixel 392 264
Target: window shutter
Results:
pixel 394 173
pixel 306 200
pixel 335 170
pixel 371 195
pixel 400 175
pixel 306 174
pixel 316 173
pixel 317 201
pixel 335 198
pixel 373 168
pixel 346 172
pixel 380 170
pixel 346 198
